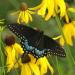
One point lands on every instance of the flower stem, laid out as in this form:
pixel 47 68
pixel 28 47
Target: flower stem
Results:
pixel 1 53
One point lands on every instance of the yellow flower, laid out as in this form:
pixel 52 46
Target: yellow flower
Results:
pixel 27 62
pixel 13 50
pixel 24 15
pixel 44 65
pixel 69 33
pixel 30 66
pixel 51 6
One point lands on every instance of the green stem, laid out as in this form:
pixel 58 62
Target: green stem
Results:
pixel 16 72
pixel 1 53
pixel 50 58
pixel 59 71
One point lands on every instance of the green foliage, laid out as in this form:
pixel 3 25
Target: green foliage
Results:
pixel 52 28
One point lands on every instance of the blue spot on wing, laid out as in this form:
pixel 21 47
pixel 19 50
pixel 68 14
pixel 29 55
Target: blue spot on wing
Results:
pixel 31 50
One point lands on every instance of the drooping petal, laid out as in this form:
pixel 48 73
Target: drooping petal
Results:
pixel 25 70
pixel 66 18
pixel 33 60
pixel 61 41
pixel 31 12
pixel 10 53
pixel 26 18
pixel 18 20
pixel 34 68
pixel 49 66
pixel 62 6
pixel 42 10
pixel 30 17
pixel 18 49
pixel 56 6
pixel 50 5
pixel 44 65
pixel 69 32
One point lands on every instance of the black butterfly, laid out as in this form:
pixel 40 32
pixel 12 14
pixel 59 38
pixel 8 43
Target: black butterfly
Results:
pixel 35 42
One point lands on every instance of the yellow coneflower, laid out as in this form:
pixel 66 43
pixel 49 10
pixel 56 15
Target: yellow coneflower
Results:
pixel 51 6
pixel 24 15
pixel 69 33
pixel 30 66
pixel 13 50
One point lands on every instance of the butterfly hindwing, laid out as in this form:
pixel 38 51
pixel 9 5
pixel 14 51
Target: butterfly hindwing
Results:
pixel 54 47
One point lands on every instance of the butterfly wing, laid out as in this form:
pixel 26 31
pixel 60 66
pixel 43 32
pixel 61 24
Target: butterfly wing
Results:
pixel 32 36
pixel 21 31
pixel 55 48
pixel 38 40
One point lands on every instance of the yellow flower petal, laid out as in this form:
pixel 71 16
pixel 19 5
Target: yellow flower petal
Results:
pixel 18 20
pixel 26 17
pixel 49 66
pixel 23 16
pixel 34 68
pixel 50 5
pixel 10 52
pixel 61 41
pixel 33 60
pixel 69 32
pixel 44 65
pixel 42 10
pixel 58 37
pixel 30 17
pixel 18 49
pixel 66 18
pixel 62 7
pixel 31 12
pixel 56 6
pixel 25 70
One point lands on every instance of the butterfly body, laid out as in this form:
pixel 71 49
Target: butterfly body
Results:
pixel 35 42
pixel 33 50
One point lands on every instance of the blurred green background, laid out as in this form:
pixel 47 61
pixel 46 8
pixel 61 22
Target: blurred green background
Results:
pixel 61 66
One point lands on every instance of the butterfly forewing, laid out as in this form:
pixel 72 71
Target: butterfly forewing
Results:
pixel 24 31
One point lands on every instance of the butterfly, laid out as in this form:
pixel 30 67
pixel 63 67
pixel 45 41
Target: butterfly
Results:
pixel 35 42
